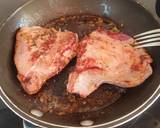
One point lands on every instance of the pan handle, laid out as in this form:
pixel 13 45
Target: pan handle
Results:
pixel 153 6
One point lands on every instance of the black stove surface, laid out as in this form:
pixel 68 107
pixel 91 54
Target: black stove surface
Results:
pixel 149 119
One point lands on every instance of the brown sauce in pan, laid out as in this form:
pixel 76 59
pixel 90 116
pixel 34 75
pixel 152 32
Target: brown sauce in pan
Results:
pixel 53 97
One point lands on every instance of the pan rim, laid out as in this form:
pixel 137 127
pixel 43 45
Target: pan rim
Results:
pixel 111 124
pixel 135 113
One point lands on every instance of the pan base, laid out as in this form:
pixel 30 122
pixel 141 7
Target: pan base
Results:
pixel 53 97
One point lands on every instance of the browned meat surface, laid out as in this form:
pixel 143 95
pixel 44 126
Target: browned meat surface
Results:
pixel 107 57
pixel 41 53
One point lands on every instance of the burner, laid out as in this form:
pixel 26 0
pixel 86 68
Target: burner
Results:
pixel 8 119
pixel 28 125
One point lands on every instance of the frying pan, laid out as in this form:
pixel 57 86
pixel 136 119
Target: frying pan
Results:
pixel 135 19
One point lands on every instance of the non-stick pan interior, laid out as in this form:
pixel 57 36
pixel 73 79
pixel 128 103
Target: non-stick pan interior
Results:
pixel 126 13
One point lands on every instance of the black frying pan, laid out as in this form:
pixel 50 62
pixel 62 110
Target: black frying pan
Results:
pixel 134 18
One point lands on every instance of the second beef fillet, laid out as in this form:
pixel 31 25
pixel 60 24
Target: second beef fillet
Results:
pixel 41 53
pixel 107 57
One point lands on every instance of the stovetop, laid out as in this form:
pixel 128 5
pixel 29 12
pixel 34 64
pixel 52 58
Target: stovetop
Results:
pixel 149 119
